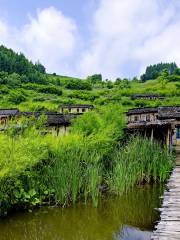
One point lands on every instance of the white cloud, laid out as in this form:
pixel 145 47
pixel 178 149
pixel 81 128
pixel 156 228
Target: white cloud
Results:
pixel 129 34
pixel 50 37
pixel 125 36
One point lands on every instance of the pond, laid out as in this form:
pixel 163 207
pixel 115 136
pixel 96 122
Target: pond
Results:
pixel 129 217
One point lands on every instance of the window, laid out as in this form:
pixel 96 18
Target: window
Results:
pixel 83 110
pixel 148 117
pixel 69 109
pixel 178 132
pixel 77 110
pixel 136 118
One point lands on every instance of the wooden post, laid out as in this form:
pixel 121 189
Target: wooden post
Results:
pixel 152 134
pixel 167 138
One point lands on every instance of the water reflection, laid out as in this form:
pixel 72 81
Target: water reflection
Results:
pixel 107 222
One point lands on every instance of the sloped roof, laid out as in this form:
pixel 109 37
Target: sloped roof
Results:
pixel 143 124
pixel 53 118
pixel 9 112
pixel 59 119
pixel 169 112
pixel 142 110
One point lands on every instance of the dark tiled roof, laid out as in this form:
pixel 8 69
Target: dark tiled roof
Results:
pixel 29 114
pixel 77 106
pixel 142 110
pixel 142 124
pixel 53 118
pixel 9 112
pixel 169 112
pixel 59 119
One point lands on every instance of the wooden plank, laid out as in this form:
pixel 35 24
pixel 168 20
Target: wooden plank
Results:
pixel 168 228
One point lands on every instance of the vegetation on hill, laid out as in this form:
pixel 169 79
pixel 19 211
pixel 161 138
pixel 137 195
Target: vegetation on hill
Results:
pixel 27 86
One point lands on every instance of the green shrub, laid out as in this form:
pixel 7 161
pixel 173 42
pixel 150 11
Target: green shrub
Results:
pixel 16 97
pixel 50 90
pixel 77 84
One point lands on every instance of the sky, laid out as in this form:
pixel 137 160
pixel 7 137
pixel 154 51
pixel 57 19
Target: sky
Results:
pixel 117 38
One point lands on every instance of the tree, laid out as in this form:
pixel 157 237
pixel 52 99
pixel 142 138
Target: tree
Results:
pixel 12 62
pixel 163 78
pixel 154 71
pixel 94 79
pixel 40 68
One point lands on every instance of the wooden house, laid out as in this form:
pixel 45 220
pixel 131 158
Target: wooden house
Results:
pixel 6 115
pixel 171 113
pixel 162 123
pixel 76 108
pixel 57 123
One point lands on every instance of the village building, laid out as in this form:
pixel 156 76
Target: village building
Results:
pixel 57 123
pixel 76 108
pixel 147 96
pixel 7 115
pixel 161 123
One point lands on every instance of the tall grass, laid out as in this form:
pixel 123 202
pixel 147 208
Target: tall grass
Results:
pixel 140 161
pixel 75 170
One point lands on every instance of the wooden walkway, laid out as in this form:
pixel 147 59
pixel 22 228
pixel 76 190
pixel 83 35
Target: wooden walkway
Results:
pixel 169 226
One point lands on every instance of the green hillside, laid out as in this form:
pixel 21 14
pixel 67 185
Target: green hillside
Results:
pixel 27 86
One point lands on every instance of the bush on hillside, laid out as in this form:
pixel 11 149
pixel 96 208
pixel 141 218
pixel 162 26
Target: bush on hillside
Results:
pixel 16 97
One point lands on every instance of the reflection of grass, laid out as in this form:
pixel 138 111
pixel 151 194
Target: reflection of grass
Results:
pixel 136 208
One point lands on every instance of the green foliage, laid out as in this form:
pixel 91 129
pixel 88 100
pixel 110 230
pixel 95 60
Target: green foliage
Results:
pixel 140 160
pixel 95 79
pixel 50 89
pixel 76 84
pixel 153 71
pixel 12 62
pixel 16 97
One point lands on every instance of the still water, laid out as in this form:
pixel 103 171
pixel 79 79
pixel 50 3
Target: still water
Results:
pixel 129 217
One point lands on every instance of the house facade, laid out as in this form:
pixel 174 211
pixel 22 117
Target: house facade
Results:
pixel 76 108
pixel 6 115
pixel 161 123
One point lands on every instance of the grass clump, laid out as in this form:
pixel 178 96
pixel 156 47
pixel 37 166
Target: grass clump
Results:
pixel 140 161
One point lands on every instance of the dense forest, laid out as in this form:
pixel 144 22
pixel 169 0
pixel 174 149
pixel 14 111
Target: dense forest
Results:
pixel 154 71
pixel 90 158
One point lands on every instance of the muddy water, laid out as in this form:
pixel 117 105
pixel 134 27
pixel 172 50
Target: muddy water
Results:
pixel 129 217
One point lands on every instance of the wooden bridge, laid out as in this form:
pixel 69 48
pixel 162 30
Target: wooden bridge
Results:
pixel 168 227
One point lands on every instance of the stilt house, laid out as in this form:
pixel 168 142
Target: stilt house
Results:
pixel 162 123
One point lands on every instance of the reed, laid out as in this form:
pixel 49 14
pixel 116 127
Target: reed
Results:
pixel 139 161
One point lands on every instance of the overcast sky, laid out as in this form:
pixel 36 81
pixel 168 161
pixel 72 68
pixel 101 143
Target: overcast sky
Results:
pixel 117 38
